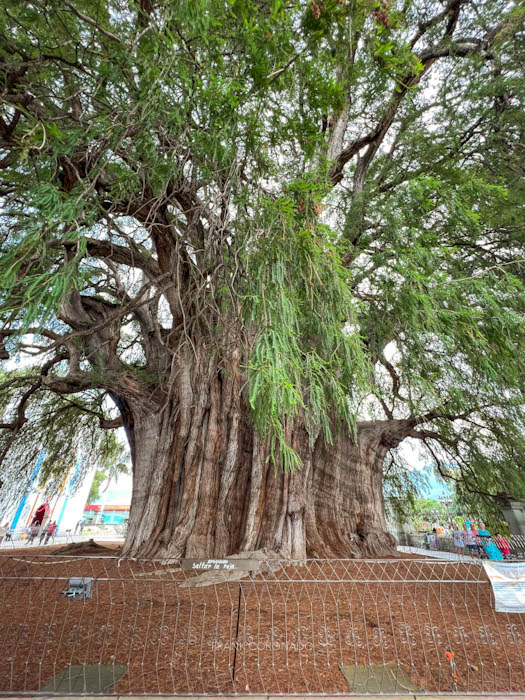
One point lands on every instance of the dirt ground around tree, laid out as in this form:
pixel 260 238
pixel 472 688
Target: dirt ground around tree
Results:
pixel 283 631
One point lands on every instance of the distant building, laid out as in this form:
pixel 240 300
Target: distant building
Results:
pixel 65 506
pixel 97 513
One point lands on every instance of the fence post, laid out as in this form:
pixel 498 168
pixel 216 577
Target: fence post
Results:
pixel 236 633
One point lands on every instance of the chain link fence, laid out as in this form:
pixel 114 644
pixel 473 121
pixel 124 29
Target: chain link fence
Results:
pixel 307 627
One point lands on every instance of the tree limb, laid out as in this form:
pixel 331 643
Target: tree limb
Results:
pixel 427 57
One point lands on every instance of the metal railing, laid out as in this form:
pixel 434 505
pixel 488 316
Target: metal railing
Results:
pixel 478 549
pixel 309 627
pixel 21 536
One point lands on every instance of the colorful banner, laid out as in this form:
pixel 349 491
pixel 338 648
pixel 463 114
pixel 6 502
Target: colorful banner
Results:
pixel 20 509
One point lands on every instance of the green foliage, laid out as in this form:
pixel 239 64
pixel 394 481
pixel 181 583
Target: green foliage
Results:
pixel 68 430
pixel 176 180
pixel 94 491
pixel 430 509
pixel 110 469
pixel 300 301
pixel 401 489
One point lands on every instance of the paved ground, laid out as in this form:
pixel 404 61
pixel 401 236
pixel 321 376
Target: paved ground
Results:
pixel 5 547
pixel 65 539
pixel 448 556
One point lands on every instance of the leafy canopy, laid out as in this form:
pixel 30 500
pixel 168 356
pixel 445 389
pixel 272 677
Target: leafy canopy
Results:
pixel 331 189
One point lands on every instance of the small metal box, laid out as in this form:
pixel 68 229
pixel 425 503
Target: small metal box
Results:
pixel 79 588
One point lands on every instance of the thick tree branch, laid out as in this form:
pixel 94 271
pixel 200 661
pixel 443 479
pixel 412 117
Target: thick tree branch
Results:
pixel 105 423
pixel 427 57
pixel 131 256
pixel 4 355
pixel 393 374
pixel 16 425
pixel 434 21
pixel 110 424
pixel 92 22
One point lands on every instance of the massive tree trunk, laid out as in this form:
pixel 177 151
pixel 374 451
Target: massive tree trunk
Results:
pixel 203 486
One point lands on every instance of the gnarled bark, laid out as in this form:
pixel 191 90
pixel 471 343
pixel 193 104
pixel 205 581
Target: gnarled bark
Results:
pixel 203 485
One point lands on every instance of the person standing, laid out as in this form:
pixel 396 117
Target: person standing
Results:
pixel 33 533
pixel 4 529
pixel 476 538
pixel 459 543
pixel 469 538
pixel 50 532
pixel 503 545
pixel 490 548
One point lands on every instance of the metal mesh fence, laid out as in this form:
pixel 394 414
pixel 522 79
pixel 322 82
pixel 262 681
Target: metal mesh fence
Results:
pixel 391 626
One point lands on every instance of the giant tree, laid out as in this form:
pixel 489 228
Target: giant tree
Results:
pixel 272 241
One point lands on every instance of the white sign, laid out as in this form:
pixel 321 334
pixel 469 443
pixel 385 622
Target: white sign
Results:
pixel 508 584
pixel 219 564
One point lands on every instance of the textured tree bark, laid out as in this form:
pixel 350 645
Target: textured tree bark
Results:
pixel 203 485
